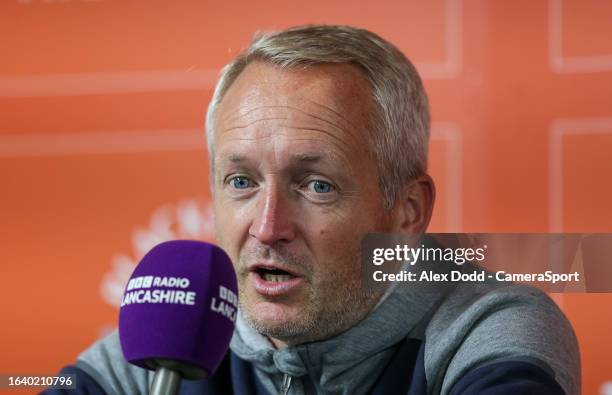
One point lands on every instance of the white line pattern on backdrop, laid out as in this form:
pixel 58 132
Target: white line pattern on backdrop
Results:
pixel 451 134
pixel 569 64
pixel 77 84
pixel 451 67
pixel 558 130
pixel 101 142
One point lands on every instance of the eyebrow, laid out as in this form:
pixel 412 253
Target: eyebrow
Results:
pixel 307 157
pixel 300 157
pixel 235 158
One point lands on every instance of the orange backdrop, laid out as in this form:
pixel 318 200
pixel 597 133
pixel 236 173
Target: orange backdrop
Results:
pixel 102 152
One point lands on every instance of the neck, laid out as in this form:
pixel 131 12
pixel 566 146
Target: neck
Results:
pixel 278 344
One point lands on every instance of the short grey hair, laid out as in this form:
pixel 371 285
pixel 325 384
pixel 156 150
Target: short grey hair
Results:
pixel 399 124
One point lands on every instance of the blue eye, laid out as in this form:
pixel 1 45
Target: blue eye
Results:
pixel 319 186
pixel 240 182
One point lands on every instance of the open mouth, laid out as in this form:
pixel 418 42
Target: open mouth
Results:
pixel 274 275
pixel 271 281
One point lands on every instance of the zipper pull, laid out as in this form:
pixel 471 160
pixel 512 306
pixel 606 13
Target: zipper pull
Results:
pixel 284 390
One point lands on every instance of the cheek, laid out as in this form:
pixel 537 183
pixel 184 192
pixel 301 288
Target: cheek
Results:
pixel 336 239
pixel 346 224
pixel 336 246
pixel 227 226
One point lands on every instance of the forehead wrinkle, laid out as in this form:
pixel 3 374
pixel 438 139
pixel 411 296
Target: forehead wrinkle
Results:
pixel 251 123
pixel 337 140
pixel 309 156
pixel 336 113
pixel 346 128
pixel 232 117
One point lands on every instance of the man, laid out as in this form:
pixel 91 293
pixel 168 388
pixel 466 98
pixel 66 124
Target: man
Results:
pixel 317 136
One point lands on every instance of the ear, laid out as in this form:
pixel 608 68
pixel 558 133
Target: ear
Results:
pixel 415 205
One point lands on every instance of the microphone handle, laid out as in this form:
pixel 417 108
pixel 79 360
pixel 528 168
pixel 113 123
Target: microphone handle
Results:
pixel 165 382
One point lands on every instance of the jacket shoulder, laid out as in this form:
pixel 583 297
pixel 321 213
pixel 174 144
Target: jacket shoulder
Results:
pixel 104 362
pixel 481 325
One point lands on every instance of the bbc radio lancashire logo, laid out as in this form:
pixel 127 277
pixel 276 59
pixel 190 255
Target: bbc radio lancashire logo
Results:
pixel 155 289
pixel 175 290
pixel 188 219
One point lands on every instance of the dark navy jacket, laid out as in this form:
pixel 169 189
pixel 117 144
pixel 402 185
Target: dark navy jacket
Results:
pixel 405 374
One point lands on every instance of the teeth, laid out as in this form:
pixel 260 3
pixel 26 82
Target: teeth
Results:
pixel 277 278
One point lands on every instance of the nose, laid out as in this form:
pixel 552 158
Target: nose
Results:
pixel 273 221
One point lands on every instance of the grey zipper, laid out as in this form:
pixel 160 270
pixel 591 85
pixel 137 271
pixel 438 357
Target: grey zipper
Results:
pixel 284 390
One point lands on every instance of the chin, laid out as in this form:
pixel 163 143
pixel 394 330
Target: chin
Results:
pixel 278 320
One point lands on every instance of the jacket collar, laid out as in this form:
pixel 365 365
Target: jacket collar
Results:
pixel 354 358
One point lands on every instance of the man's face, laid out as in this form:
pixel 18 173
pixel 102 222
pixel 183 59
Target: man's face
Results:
pixel 295 190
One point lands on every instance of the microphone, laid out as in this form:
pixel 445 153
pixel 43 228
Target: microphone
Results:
pixel 178 312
